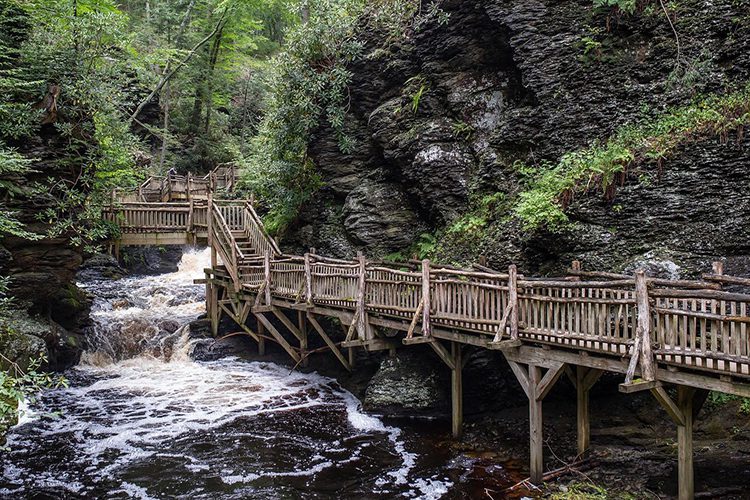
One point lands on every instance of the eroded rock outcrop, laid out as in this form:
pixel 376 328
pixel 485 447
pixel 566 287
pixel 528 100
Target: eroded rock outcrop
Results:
pixel 444 117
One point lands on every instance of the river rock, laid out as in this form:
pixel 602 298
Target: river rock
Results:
pixel 151 260
pixel 100 267
pixel 34 336
pixel 408 384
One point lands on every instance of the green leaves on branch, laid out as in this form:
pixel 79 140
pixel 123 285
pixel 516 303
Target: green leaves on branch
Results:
pixel 552 188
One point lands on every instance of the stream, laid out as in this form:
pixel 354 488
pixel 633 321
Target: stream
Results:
pixel 141 419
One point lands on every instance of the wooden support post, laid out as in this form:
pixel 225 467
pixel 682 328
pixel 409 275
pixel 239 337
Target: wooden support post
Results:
pixel 261 339
pixel 362 327
pixel 585 378
pixel 215 311
pixel 308 280
pixel 536 430
pixel 457 405
pixel 302 323
pixel 426 303
pixel 685 473
pixel 513 300
pixel 682 412
pixel 536 388
pixel 188 182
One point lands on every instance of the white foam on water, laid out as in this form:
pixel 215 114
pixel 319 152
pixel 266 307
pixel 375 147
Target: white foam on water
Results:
pixel 25 413
pixel 139 391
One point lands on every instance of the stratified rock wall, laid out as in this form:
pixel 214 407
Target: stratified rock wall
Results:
pixel 515 80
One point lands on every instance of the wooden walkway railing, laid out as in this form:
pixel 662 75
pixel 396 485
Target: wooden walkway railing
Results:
pixel 693 333
pixel 174 188
pixel 694 324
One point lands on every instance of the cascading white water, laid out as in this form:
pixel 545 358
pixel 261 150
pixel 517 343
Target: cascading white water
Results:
pixel 141 419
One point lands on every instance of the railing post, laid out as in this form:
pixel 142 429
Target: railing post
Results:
pixel 188 181
pixel 210 223
pixel 361 306
pixel 267 273
pixel 648 371
pixel 718 269
pixel 308 280
pixel 426 304
pixel 513 300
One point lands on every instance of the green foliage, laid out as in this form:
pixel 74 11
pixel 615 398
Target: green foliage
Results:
pixel 423 248
pixel 551 188
pixel 18 383
pixel 719 399
pixel 420 86
pixel 470 227
pixel 627 6
pixel 309 89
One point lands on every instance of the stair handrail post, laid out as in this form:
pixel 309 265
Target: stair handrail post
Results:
pixel 361 293
pixel 426 302
pixel 209 219
pixel 643 330
pixel 267 274
pixel 513 300
pixel 308 280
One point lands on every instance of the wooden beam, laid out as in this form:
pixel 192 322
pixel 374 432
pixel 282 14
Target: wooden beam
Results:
pixel 457 394
pixel 672 409
pixel 241 324
pixel 287 323
pixel 278 337
pixel 443 353
pixel 638 386
pixel 334 349
pixel 548 381
pixel 522 375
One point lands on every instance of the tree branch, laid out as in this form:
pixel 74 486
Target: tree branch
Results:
pixel 164 79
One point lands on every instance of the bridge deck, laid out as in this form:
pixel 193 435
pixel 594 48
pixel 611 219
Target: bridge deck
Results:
pixel 693 333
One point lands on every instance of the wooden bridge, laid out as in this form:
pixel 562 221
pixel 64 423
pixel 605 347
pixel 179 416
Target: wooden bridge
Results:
pixel 677 339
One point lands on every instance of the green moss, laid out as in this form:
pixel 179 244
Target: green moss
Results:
pixel 552 187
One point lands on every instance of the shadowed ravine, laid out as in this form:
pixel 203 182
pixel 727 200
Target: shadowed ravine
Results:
pixel 142 419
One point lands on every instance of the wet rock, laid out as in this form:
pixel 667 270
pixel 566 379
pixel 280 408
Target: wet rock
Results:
pixel 151 260
pixel 121 304
pixel 34 336
pixel 169 326
pixel 100 267
pixel 407 384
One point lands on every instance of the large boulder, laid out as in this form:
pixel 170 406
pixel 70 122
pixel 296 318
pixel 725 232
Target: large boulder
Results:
pixel 408 384
pixel 151 260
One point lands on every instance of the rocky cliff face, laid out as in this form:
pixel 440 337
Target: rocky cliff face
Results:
pixel 43 271
pixel 443 118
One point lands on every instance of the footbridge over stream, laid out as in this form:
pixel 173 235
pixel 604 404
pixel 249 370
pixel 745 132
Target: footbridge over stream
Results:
pixel 677 339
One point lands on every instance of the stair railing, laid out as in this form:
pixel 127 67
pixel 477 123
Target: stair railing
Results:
pixel 226 244
pixel 256 233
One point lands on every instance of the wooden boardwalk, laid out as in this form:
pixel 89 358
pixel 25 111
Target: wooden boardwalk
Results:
pixel 692 335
